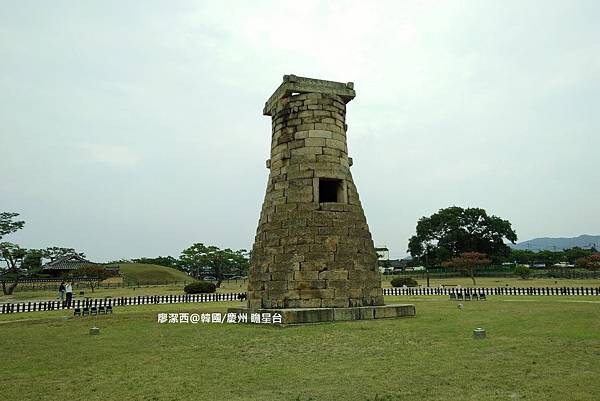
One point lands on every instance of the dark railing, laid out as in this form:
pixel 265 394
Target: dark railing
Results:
pixel 413 291
pixel 118 301
pixel 196 298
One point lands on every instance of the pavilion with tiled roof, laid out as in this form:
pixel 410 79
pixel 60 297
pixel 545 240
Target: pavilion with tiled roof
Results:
pixel 64 265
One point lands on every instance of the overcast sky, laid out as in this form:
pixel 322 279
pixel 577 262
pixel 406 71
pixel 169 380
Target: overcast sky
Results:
pixel 135 128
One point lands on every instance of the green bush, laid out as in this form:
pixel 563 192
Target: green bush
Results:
pixel 522 271
pixel 404 281
pixel 200 287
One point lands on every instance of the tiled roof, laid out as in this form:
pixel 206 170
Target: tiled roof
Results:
pixel 69 262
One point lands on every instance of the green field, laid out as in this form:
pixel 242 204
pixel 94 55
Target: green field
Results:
pixel 537 349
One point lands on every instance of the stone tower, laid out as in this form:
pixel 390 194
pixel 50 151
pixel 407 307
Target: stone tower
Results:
pixel 313 248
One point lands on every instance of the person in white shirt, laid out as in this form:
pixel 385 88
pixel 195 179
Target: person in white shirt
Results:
pixel 69 292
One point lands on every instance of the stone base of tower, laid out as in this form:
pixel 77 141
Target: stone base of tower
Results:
pixel 290 316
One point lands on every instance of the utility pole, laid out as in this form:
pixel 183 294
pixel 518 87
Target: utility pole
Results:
pixel 427 249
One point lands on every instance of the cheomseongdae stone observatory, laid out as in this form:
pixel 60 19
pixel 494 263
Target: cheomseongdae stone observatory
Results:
pixel 313 258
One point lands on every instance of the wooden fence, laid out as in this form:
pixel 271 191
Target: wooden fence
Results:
pixel 493 291
pixel 118 301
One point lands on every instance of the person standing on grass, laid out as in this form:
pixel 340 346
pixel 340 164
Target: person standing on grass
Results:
pixel 61 292
pixel 69 291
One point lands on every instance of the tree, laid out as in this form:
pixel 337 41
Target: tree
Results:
pixel 239 262
pixel 33 260
pixel 56 252
pixel 92 275
pixel 12 255
pixel 18 262
pixel 523 256
pixel 167 261
pixel 7 225
pixel 218 261
pixel 454 230
pixel 549 258
pixel 572 254
pixel 468 262
pixel 591 262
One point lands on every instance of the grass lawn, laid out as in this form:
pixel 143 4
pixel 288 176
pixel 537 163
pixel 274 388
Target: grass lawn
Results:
pixel 537 349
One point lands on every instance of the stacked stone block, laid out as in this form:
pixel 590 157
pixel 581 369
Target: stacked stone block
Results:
pixel 311 251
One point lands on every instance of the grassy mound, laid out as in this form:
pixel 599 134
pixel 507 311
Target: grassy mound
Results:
pixel 152 274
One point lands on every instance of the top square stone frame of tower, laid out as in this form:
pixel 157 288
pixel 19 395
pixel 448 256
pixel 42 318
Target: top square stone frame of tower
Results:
pixel 295 84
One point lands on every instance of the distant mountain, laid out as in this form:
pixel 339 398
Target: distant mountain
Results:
pixel 558 244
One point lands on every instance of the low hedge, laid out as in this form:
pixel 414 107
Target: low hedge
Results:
pixel 404 281
pixel 200 287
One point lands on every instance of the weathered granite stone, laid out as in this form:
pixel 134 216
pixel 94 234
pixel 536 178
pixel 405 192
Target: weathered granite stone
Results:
pixel 311 311
pixel 312 247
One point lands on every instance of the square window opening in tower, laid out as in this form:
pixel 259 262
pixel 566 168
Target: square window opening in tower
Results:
pixel 331 190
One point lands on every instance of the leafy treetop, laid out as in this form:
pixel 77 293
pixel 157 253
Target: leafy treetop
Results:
pixel 454 230
pixel 7 225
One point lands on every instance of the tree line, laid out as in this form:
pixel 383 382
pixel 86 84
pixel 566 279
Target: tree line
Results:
pixel 468 239
pixel 19 262
pixel 549 258
pixel 198 260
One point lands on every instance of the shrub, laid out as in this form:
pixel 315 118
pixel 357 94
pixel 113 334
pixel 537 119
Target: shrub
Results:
pixel 522 271
pixel 591 262
pixel 200 287
pixel 404 281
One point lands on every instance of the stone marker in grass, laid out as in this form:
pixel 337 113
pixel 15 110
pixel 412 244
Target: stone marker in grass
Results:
pixel 479 333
